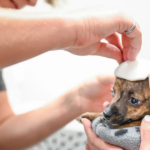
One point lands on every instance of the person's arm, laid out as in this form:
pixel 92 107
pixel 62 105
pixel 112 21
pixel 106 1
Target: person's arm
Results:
pixel 21 131
pixel 23 36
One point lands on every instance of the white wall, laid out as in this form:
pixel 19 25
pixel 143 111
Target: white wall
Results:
pixel 40 80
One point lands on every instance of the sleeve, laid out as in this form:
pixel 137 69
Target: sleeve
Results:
pixel 2 84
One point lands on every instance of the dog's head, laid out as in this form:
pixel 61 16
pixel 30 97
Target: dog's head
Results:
pixel 131 101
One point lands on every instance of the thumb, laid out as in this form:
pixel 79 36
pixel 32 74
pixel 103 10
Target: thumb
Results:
pixel 88 147
pixel 88 129
pixel 110 51
pixel 145 133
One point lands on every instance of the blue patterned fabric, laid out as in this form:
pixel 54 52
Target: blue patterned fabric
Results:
pixel 126 138
pixel 63 140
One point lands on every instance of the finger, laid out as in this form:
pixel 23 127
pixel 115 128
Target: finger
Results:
pixel 114 40
pixel 88 129
pixel 126 46
pixel 109 51
pixel 87 147
pixel 131 46
pixel 92 147
pixel 102 145
pixel 120 23
pixel 89 132
pixel 105 104
pixel 132 41
pixel 101 49
pixel 135 43
pixel 145 133
pixel 106 80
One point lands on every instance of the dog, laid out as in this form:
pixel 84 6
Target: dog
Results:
pixel 130 103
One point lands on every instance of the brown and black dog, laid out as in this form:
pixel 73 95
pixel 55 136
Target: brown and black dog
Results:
pixel 130 103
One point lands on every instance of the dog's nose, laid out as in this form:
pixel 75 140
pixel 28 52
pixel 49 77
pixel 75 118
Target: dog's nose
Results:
pixel 107 116
pixel 107 112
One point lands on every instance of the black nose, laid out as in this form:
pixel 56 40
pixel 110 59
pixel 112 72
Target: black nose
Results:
pixel 107 116
pixel 108 112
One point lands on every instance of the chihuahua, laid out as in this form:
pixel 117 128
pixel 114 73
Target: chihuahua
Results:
pixel 130 103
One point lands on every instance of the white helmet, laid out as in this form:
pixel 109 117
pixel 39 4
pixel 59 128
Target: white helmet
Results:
pixel 134 70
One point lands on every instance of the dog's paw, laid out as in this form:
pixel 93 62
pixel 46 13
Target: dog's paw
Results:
pixel 89 116
pixel 79 119
pixel 86 115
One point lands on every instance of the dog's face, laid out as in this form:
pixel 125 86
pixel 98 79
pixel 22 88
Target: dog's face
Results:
pixel 131 101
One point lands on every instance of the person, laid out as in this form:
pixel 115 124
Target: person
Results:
pixel 25 37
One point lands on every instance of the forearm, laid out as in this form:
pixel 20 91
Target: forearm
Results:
pixel 34 126
pixel 25 37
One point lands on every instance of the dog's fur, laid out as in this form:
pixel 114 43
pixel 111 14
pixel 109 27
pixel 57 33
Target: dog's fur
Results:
pixel 121 110
pixel 52 2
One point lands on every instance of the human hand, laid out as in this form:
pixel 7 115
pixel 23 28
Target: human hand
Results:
pixel 94 142
pixel 95 94
pixel 94 25
pixel 145 133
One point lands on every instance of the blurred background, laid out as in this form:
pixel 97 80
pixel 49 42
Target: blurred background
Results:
pixel 40 80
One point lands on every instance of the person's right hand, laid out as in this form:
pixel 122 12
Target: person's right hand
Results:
pixel 145 133
pixel 93 25
pixel 94 142
pixel 94 94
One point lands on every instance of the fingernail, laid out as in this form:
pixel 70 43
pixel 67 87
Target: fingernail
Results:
pixel 147 118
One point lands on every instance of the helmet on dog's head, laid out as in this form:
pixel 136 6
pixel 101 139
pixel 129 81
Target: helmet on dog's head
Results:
pixel 134 70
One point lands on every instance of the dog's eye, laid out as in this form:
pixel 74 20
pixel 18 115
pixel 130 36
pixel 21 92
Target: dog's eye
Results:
pixel 134 101
pixel 112 92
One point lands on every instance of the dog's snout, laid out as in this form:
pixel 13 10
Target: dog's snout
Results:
pixel 106 116
pixel 107 113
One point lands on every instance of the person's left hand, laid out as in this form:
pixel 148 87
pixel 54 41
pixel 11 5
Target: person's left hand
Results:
pixel 94 142
pixel 95 94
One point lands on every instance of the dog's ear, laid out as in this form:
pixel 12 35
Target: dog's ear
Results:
pixel 51 2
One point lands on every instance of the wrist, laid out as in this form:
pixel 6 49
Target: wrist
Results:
pixel 72 103
pixel 78 100
pixel 66 31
